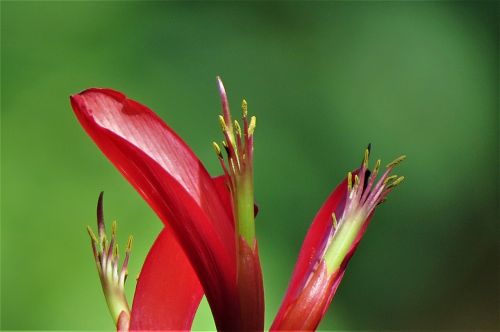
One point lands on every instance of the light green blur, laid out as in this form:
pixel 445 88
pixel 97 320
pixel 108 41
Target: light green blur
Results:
pixel 324 79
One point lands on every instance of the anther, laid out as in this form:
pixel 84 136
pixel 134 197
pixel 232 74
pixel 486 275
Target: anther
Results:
pixel 396 182
pixel 238 128
pixel 396 161
pixel 349 181
pixel 223 124
pixel 251 126
pixel 365 159
pixel 129 243
pixel 217 149
pixel 334 219
pixel 377 166
pixel 92 235
pixel 390 178
pixel 244 108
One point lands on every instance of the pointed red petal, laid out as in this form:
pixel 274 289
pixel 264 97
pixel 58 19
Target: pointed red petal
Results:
pixel 173 181
pixel 311 248
pixel 168 291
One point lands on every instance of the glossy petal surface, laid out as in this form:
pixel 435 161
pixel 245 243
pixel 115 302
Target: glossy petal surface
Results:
pixel 311 289
pixel 168 291
pixel 173 181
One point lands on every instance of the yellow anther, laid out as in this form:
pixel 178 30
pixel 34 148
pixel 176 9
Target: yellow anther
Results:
pixel 397 181
pixel 237 127
pixel 92 235
pixel 334 219
pixel 113 228
pixel 396 161
pixel 217 149
pixel 129 243
pixel 115 251
pixel 244 108
pixel 224 144
pixel 365 159
pixel 356 180
pixel 377 166
pixel 251 126
pixel 390 178
pixel 222 123
pixel 349 181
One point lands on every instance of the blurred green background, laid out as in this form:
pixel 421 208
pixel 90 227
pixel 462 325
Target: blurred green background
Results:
pixel 324 79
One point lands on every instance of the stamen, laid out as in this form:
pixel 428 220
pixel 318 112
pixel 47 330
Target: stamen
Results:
pixel 396 182
pixel 251 126
pixel 129 243
pixel 244 108
pixel 217 150
pixel 92 235
pixel 238 128
pixel 349 181
pixel 335 223
pixel 223 124
pixel 390 178
pixel 396 161
pixel 365 159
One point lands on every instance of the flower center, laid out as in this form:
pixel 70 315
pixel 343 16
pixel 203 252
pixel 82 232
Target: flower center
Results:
pixel 363 195
pixel 238 164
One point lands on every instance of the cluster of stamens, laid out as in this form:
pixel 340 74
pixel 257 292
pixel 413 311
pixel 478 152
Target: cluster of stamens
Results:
pixel 106 256
pixel 238 142
pixel 364 192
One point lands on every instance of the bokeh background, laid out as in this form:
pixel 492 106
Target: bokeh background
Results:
pixel 324 79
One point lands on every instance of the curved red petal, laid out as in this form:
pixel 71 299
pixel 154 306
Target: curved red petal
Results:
pixel 168 291
pixel 175 184
pixel 311 248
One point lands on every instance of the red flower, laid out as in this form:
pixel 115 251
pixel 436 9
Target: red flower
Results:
pixel 208 244
pixel 330 243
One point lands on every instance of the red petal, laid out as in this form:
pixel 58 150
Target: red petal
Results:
pixel 251 287
pixel 312 247
pixel 168 291
pixel 224 195
pixel 173 181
